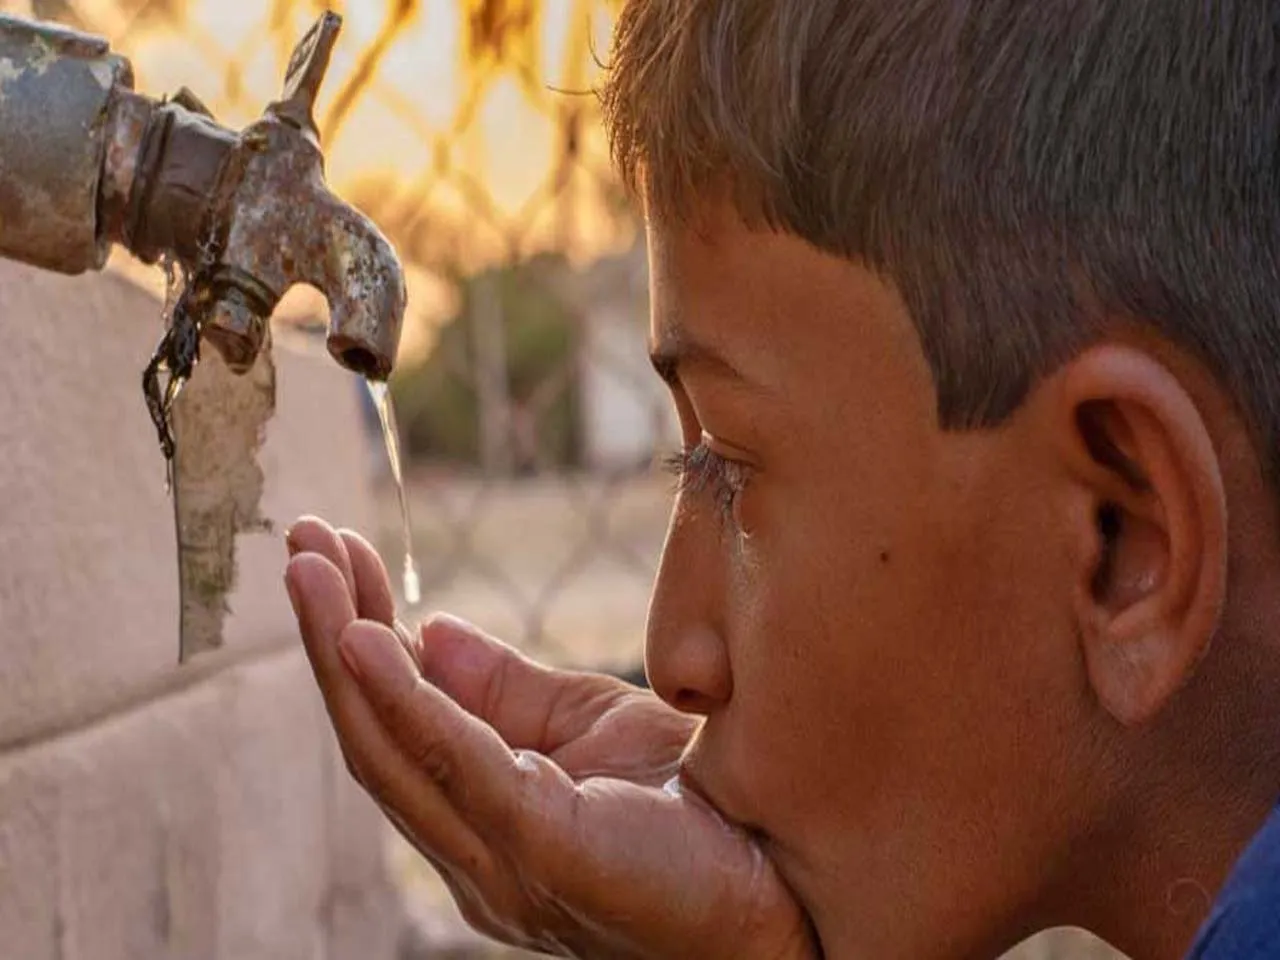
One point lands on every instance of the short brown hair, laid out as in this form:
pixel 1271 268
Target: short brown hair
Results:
pixel 1019 169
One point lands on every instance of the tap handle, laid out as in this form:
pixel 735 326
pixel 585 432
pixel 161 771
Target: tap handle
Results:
pixel 306 72
pixel 186 98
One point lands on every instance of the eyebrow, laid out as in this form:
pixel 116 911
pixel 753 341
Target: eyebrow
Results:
pixel 671 355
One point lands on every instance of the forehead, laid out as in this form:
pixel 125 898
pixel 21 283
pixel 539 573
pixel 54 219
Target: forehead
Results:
pixel 777 308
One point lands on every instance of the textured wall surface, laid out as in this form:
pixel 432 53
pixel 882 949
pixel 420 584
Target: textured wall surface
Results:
pixel 147 810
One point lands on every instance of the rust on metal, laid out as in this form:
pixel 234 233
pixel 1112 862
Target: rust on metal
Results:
pixel 182 156
pixel 86 162
pixel 55 88
pixel 277 222
pixel 250 215
pixel 329 245
pixel 128 117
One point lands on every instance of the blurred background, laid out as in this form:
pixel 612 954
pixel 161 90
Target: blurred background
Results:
pixel 529 419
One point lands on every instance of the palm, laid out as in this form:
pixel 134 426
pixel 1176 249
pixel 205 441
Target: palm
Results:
pixel 538 793
pixel 616 730
pixel 619 745
pixel 690 877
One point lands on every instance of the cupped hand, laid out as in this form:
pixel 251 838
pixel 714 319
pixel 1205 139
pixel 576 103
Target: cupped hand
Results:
pixel 538 794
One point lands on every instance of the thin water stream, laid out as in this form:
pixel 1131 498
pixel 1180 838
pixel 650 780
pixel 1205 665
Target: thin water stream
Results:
pixel 381 394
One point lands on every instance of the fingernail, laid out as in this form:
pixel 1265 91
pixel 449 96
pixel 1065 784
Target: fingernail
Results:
pixel 288 541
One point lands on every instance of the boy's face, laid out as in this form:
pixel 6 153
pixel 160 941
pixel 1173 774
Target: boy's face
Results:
pixel 871 613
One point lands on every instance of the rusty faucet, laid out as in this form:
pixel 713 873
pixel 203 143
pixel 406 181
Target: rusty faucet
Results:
pixel 87 162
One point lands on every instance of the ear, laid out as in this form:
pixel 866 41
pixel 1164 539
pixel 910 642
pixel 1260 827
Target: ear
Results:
pixel 1152 524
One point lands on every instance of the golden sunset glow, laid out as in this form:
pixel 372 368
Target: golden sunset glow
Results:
pixel 465 128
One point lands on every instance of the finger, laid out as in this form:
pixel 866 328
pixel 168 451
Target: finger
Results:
pixel 531 706
pixel 324 610
pixel 313 535
pixel 465 758
pixel 373 586
pixel 411 644
pixel 575 842
pixel 360 565
pixel 374 600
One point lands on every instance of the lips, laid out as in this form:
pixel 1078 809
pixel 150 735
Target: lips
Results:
pixel 692 783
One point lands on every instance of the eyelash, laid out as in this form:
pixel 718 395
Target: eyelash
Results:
pixel 702 470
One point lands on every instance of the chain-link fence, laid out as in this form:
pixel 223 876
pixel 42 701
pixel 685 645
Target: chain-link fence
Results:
pixel 530 421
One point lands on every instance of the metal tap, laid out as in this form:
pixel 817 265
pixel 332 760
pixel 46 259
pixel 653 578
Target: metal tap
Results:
pixel 85 162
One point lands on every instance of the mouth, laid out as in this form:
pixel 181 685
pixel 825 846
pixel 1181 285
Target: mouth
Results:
pixel 686 782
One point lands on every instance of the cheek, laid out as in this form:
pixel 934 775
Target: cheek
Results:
pixel 822 673
pixel 894 663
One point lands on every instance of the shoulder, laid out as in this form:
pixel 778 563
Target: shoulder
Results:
pixel 1245 921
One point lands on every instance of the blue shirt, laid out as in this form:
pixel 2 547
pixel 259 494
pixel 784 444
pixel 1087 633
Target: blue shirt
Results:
pixel 1245 921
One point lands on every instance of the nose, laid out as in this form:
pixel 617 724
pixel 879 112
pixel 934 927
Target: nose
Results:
pixel 686 657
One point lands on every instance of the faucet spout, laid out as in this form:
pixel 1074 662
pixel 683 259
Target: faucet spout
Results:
pixel 284 226
pixel 87 162
pixel 249 215
pixel 361 277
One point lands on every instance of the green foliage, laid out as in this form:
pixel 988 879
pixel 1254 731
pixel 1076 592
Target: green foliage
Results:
pixel 437 401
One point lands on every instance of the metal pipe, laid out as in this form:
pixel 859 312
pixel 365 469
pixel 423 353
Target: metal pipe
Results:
pixel 56 90
pixel 86 162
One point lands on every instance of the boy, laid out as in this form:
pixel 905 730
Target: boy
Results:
pixel 966 620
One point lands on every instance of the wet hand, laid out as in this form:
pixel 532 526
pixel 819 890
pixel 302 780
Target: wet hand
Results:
pixel 538 794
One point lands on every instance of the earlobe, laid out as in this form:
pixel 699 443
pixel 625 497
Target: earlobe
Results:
pixel 1151 588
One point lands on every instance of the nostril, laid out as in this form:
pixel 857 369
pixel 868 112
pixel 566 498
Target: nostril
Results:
pixel 688 666
pixel 694 702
